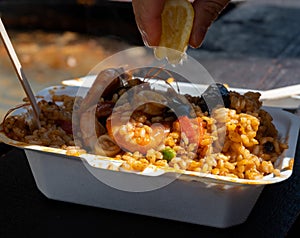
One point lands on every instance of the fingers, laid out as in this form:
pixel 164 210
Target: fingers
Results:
pixel 148 18
pixel 206 11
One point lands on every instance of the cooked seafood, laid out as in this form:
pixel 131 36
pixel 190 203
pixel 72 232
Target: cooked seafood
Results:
pixel 126 117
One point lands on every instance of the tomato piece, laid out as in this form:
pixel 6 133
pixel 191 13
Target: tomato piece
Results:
pixel 192 128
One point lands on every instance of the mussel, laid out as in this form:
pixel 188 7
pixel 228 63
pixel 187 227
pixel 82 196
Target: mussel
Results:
pixel 215 95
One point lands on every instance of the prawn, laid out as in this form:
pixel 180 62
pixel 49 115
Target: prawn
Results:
pixel 130 134
pixel 105 82
pixel 136 135
pixel 90 127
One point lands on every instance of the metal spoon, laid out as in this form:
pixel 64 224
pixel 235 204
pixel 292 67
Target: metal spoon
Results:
pixel 20 73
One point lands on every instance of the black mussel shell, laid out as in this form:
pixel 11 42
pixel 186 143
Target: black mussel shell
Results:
pixel 215 95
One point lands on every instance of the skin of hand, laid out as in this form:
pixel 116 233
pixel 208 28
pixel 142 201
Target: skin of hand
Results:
pixel 148 18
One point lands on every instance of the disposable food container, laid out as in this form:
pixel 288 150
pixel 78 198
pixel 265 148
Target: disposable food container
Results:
pixel 203 199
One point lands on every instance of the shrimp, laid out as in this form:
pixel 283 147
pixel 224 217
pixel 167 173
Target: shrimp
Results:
pixel 105 82
pixel 131 134
pixel 136 135
pixel 90 127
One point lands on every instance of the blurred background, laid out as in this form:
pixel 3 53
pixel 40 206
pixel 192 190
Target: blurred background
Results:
pixel 59 40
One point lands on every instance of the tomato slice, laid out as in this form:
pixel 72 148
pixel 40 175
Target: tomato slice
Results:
pixel 193 128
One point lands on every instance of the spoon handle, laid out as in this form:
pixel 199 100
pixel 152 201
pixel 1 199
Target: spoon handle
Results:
pixel 20 73
pixel 283 92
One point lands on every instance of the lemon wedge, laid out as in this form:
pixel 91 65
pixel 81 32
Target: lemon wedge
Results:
pixel 177 22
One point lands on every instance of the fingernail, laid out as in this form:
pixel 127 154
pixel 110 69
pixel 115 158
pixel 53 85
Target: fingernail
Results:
pixel 197 38
pixel 144 37
pixel 195 46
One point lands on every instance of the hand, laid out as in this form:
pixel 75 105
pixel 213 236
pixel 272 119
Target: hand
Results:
pixel 148 19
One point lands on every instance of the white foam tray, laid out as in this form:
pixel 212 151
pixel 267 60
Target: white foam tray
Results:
pixel 203 199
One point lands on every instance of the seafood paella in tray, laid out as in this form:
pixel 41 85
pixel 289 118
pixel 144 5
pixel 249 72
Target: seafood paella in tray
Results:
pixel 141 122
pixel 140 134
